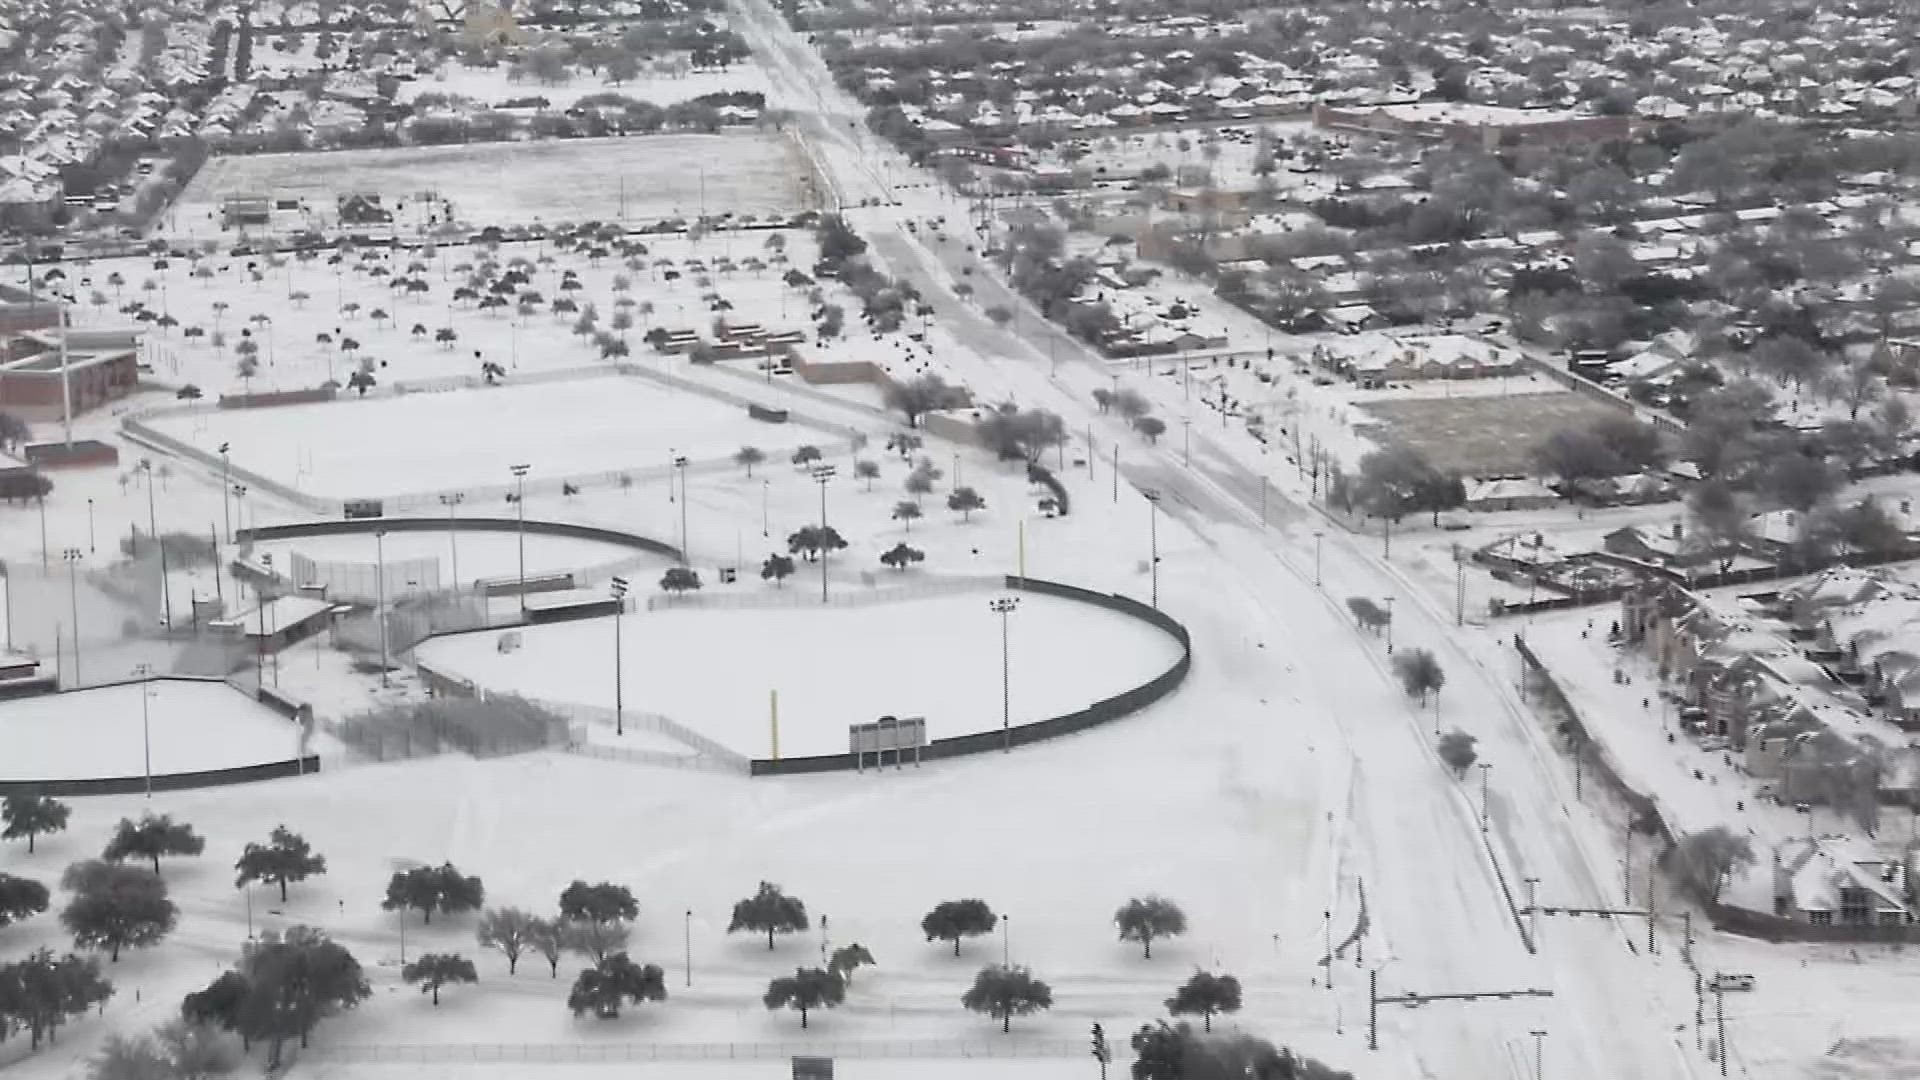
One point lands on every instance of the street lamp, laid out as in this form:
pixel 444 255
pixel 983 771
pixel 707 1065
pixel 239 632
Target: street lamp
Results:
pixel 689 945
pixel 822 474
pixel 380 594
pixel 1389 626
pixel 520 506
pixel 1317 535
pixel 1539 1061
pixel 145 672
pixel 1153 541
pixel 619 609
pixel 1485 768
pixel 680 465
pixel 1005 606
pixel 765 484
pixel 451 502
pixel 1186 442
pixel 73 557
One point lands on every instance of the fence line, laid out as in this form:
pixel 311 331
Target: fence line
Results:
pixel 646 721
pixel 650 757
pixel 799 596
pixel 562 1053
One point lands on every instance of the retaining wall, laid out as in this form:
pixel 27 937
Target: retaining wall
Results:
pixel 1100 712
pixel 130 785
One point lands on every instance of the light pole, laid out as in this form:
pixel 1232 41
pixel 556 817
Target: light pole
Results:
pixel 1153 542
pixel 226 482
pixel 73 557
pixel 680 466
pixel 90 547
pixel 145 672
pixel 451 502
pixel 619 700
pixel 1006 941
pixel 689 944
pixel 1539 1059
pixel 153 533
pixel 765 484
pixel 1186 442
pixel 1485 804
pixel 1005 606
pixel 520 507
pixel 1317 535
pixel 821 475
pixel 240 504
pixel 380 594
pixel 1389 626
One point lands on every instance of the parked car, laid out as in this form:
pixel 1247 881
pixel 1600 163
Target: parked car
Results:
pixel 1728 983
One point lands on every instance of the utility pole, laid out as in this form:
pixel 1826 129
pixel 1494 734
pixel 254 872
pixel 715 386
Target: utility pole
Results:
pixel 1533 908
pixel 1459 588
pixel 226 482
pixel 1539 1056
pixel 1317 535
pixel 680 466
pixel 1485 795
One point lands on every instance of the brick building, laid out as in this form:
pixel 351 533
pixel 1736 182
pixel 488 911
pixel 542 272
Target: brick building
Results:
pixel 1490 126
pixel 99 366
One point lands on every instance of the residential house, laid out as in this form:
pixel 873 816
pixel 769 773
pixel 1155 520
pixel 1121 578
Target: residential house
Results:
pixel 1839 881
pixel 1509 493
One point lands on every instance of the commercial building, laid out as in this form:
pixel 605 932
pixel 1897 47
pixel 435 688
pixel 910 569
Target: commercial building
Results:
pixel 1490 126
pixel 38 380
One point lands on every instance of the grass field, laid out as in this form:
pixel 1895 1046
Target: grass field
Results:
pixel 639 179
pixel 1479 436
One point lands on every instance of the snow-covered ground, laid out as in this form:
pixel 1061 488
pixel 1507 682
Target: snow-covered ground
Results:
pixel 939 657
pixel 511 183
pixel 412 443
pixel 189 726
pixel 479 554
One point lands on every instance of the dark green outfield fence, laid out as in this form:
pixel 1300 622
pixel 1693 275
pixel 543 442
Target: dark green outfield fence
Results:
pixel 1100 712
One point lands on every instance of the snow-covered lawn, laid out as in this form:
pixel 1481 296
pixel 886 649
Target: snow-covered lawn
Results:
pixel 640 178
pixel 98 733
pixel 713 670
pixel 405 444
pixel 480 554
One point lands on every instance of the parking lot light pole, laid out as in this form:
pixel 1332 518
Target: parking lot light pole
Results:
pixel 822 474
pixel 1005 606
pixel 619 701
pixel 1317 535
pixel 520 508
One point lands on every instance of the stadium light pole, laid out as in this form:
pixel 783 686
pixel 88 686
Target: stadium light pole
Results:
pixel 380 593
pixel 452 502
pixel 821 475
pixel 619 700
pixel 1005 606
pixel 1153 541
pixel 520 507
pixel 73 557
pixel 145 672
pixel 153 533
pixel 226 482
pixel 680 466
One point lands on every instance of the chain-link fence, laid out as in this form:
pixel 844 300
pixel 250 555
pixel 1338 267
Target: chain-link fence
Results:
pixel 500 724
pixel 360 581
pixel 90 618
pixel 415 620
